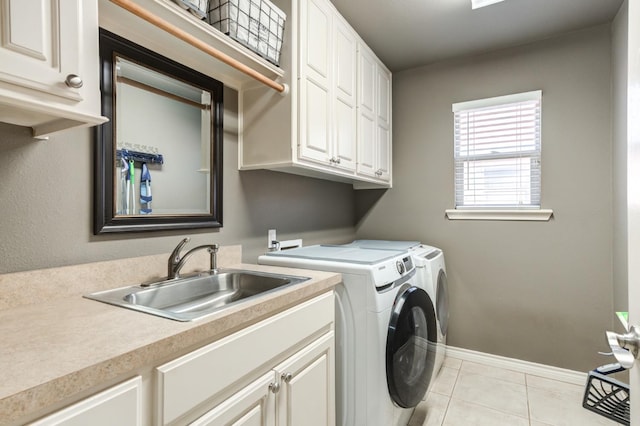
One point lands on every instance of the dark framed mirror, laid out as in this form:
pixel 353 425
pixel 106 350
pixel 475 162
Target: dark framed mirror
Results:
pixel 158 161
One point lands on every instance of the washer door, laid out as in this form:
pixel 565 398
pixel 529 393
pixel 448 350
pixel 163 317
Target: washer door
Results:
pixel 411 343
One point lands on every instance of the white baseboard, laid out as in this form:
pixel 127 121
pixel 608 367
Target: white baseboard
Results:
pixel 541 370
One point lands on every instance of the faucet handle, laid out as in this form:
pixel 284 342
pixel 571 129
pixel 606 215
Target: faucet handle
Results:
pixel 174 258
pixel 175 254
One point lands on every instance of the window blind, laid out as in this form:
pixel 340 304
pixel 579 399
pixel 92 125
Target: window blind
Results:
pixel 497 152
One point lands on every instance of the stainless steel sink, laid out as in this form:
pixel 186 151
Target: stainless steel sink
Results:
pixel 191 298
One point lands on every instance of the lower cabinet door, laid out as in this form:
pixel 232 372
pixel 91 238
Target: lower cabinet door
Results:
pixel 252 406
pixel 307 393
pixel 119 405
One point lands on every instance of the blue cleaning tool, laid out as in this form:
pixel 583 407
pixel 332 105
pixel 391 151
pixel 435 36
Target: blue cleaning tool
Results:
pixel 145 190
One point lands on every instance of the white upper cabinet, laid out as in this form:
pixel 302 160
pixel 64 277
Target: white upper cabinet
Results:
pixel 315 81
pixel 344 99
pixel 327 87
pixel 49 64
pixel 321 128
pixel 374 117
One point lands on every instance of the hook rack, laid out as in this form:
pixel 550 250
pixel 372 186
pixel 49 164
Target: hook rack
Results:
pixel 143 157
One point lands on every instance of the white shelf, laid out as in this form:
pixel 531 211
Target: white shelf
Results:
pixel 125 24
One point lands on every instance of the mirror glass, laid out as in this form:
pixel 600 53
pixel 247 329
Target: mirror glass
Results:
pixel 158 159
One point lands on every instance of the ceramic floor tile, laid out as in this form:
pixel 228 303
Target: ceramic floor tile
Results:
pixel 473 394
pixel 431 411
pixel 495 372
pixel 445 381
pixel 550 384
pixel 452 363
pixel 561 406
pixel 497 394
pixel 466 413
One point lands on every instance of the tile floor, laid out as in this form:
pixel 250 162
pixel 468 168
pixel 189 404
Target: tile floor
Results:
pixel 471 394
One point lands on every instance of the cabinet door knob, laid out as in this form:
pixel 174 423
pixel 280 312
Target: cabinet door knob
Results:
pixel 274 387
pixel 73 81
pixel 286 377
pixel 338 160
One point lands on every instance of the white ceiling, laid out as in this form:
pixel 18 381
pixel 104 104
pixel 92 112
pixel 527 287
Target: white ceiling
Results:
pixel 408 33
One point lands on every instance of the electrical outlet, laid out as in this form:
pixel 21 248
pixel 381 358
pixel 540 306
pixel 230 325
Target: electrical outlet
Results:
pixel 271 237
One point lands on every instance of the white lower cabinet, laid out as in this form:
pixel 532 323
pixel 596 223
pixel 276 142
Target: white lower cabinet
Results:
pixel 307 394
pixel 252 406
pixel 120 405
pixel 300 391
pixel 279 371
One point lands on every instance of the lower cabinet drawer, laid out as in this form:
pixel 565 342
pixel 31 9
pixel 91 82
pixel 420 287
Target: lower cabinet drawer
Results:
pixel 120 405
pixel 192 379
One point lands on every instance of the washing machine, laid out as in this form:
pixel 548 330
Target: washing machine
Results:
pixel 385 331
pixel 431 276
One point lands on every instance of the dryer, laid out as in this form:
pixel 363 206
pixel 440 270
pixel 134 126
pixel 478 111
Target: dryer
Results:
pixel 429 262
pixel 385 331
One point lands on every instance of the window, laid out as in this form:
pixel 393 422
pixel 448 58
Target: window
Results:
pixel 497 148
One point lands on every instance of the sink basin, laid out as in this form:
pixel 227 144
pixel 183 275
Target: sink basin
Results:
pixel 191 298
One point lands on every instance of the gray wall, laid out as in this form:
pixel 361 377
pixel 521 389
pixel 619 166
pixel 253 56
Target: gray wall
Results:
pixel 537 291
pixel 619 62
pixel 46 204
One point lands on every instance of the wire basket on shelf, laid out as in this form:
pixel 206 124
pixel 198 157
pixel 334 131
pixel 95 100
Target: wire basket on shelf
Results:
pixel 608 397
pixel 197 7
pixel 256 24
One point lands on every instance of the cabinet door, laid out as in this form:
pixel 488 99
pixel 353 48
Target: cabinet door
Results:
pixel 367 131
pixel 252 406
pixel 344 96
pixel 315 81
pixel 119 405
pixel 40 46
pixel 383 104
pixel 383 154
pixel 307 393
pixel 383 109
pixel 374 117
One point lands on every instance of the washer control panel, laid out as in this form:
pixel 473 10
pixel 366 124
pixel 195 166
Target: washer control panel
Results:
pixel 404 265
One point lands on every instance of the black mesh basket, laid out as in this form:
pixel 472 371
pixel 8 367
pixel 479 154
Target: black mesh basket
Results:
pixel 608 397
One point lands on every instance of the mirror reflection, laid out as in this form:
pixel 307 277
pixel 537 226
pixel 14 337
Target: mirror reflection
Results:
pixel 163 137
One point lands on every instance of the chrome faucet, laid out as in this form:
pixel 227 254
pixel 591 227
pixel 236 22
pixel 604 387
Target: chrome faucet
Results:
pixel 176 262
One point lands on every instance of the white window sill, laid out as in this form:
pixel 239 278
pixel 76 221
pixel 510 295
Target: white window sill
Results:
pixel 472 214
